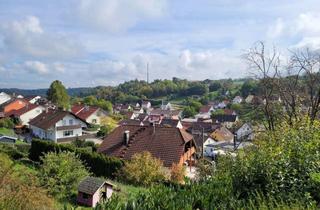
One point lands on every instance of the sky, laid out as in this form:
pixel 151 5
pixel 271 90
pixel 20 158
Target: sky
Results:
pixel 105 42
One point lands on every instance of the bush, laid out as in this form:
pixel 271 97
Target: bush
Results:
pixel 12 151
pixel 177 173
pixel 61 173
pixel 142 169
pixel 98 164
pixel 6 123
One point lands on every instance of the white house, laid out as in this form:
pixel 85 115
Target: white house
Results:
pixel 32 99
pixel 205 112
pixel 57 125
pixel 4 97
pixel 146 104
pixel 237 100
pixel 245 132
pixel 89 114
pixel 167 106
pixel 27 113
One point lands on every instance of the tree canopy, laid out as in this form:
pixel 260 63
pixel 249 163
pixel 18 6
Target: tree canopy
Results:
pixel 58 95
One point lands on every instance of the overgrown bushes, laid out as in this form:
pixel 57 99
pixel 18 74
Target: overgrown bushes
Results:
pixel 99 165
pixel 6 123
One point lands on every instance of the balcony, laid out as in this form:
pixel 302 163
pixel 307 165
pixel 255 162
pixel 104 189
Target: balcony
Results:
pixel 68 127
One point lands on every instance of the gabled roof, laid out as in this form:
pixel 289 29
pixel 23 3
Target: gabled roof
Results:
pixel 84 111
pixel 48 119
pixel 224 118
pixel 165 112
pixel 12 100
pixel 165 143
pixel 205 109
pixel 90 185
pixel 19 112
pixel 170 122
pixel 222 133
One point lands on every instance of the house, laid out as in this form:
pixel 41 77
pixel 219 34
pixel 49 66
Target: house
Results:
pixel 90 114
pixel 229 112
pixel 25 114
pixel 169 144
pixel 205 112
pixel 223 104
pixel 222 134
pixel 122 108
pixel 13 104
pixel 138 110
pixel 33 99
pixel 171 123
pixel 132 122
pixel 245 132
pixel 166 106
pixel 249 99
pixel 237 100
pixel 226 120
pixel 173 114
pixel 93 190
pixel 196 128
pixel 58 126
pixel 4 97
pixel 146 105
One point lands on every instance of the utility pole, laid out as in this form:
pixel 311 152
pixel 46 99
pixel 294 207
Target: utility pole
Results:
pixel 148 72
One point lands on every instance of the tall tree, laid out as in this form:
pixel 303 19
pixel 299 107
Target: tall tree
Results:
pixel 58 95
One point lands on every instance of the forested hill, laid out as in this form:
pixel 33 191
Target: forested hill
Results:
pixel 43 92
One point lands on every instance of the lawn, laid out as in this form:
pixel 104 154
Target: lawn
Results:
pixel 7 132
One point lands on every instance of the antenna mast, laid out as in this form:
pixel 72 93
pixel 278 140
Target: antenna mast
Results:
pixel 148 72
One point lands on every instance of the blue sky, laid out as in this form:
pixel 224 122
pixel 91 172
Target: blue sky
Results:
pixel 105 42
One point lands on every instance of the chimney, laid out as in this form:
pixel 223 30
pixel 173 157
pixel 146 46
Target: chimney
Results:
pixel 126 137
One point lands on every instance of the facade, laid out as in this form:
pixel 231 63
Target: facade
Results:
pixel 4 97
pixel 222 134
pixel 92 191
pixel 167 106
pixel 57 125
pixel 237 100
pixel 245 132
pixel 205 112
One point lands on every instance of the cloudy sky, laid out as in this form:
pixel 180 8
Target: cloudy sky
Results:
pixel 104 42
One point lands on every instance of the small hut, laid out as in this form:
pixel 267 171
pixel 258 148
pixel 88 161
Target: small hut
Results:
pixel 93 190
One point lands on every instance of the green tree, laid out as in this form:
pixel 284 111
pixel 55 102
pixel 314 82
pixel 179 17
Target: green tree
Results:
pixel 189 111
pixel 61 173
pixel 143 169
pixel 58 95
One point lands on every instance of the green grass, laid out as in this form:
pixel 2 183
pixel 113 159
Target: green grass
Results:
pixel 126 192
pixel 7 132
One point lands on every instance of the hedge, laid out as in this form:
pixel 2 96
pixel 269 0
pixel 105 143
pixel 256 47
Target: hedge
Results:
pixel 98 164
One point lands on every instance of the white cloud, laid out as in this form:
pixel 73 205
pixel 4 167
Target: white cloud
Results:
pixel 277 29
pixel 118 15
pixel 36 67
pixel 26 38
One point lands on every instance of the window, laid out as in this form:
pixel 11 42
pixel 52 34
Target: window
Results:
pixel 67 133
pixel 85 196
pixel 71 122
pixel 94 121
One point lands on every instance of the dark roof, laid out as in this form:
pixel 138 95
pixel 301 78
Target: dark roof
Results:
pixel 205 108
pixel 90 185
pixel 130 122
pixel 206 126
pixel 47 119
pixel 224 118
pixel 165 112
pixel 83 111
pixel 169 122
pixel 165 143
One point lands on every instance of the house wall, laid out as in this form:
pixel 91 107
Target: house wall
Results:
pixel 43 134
pixel 35 99
pixel 97 115
pixel 4 98
pixel 96 198
pixel 66 122
pixel 15 105
pixel 81 200
pixel 26 117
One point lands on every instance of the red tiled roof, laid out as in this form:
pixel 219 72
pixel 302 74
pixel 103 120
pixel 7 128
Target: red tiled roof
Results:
pixel 48 119
pixel 205 109
pixel 165 143
pixel 19 112
pixel 83 111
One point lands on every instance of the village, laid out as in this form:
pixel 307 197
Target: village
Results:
pixel 161 130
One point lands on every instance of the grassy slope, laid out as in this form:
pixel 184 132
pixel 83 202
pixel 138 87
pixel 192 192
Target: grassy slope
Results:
pixel 7 132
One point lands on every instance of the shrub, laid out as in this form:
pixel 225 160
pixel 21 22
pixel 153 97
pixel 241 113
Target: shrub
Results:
pixel 142 169
pixel 12 151
pixel 177 173
pixel 6 123
pixel 61 173
pixel 98 164
pixel 19 190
